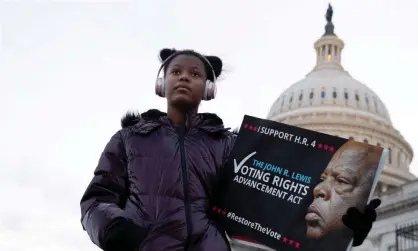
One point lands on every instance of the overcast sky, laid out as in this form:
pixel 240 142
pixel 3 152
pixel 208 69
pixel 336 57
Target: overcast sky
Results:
pixel 70 69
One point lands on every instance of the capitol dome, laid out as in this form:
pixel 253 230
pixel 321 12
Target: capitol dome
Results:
pixel 330 100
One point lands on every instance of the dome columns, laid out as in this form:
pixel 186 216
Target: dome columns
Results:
pixel 328 51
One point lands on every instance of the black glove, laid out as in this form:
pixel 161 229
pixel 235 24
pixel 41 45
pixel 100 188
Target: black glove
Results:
pixel 123 235
pixel 361 223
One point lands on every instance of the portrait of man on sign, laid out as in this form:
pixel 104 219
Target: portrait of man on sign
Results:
pixel 345 184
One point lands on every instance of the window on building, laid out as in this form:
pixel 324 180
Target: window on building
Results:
pixel 345 95
pixel 334 94
pixel 291 99
pixel 323 94
pixel 389 155
pixel 311 95
pixel 357 97
pixel 329 53
pixel 367 102
pixel 300 96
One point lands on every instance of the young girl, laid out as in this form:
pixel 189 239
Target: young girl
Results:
pixel 154 182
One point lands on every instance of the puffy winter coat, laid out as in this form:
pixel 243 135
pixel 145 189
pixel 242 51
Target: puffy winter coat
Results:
pixel 162 178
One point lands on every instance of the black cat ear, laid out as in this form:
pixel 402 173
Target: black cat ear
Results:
pixel 216 63
pixel 165 53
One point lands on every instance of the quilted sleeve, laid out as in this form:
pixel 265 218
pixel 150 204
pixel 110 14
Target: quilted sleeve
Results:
pixel 107 192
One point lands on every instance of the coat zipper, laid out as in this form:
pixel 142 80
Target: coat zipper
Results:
pixel 185 187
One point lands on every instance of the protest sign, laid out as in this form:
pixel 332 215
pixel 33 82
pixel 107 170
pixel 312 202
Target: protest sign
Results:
pixel 287 188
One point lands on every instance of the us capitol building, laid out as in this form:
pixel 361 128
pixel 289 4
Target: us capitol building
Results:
pixel 330 100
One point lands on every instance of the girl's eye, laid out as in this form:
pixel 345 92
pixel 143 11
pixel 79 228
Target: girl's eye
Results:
pixel 175 72
pixel 196 74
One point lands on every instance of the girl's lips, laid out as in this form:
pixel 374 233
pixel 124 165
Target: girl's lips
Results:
pixel 182 89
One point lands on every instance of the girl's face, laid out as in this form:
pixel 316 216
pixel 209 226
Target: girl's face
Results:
pixel 185 81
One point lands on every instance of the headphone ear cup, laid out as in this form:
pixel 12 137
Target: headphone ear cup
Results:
pixel 210 91
pixel 160 87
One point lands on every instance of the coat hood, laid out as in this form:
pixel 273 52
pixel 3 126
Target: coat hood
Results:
pixel 145 122
pixel 131 118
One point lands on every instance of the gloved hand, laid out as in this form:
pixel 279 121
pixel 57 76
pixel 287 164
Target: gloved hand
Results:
pixel 361 223
pixel 123 235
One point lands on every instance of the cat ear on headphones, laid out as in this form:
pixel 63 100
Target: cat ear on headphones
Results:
pixel 216 64
pixel 166 53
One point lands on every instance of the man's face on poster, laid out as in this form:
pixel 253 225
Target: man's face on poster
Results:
pixel 346 182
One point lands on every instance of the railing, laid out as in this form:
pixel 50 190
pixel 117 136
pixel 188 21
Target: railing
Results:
pixel 407 237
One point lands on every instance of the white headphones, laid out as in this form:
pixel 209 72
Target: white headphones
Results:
pixel 210 87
